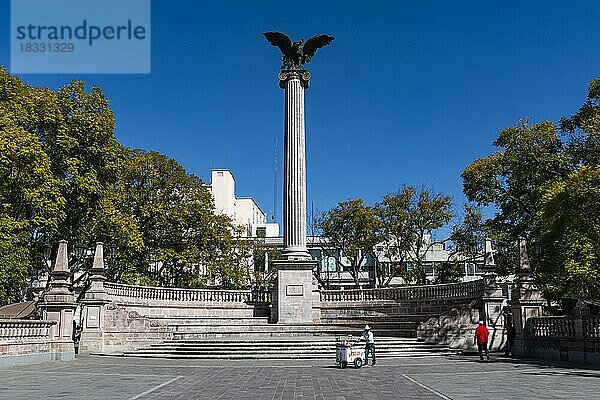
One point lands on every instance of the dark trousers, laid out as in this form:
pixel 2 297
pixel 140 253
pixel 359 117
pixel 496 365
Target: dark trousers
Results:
pixel 481 347
pixel 370 347
pixel 509 345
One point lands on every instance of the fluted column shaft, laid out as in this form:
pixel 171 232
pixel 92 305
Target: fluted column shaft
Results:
pixel 294 165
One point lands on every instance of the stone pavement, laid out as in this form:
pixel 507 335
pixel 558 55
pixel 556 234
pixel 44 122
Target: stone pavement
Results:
pixel 401 378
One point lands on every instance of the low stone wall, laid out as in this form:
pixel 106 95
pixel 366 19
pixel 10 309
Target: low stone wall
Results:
pixel 414 304
pixel 457 330
pixel 451 291
pixel 162 303
pixel 563 338
pixel 32 341
pixel 426 301
pixel 120 317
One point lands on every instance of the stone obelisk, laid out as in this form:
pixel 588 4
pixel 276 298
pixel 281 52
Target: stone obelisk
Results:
pixel 296 299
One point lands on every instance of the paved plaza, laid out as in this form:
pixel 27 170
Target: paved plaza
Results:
pixel 402 378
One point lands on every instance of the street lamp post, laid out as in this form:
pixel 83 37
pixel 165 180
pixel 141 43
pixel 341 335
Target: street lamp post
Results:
pixel 80 251
pixel 46 252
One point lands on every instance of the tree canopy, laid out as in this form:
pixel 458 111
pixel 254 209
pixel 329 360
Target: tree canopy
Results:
pixel 543 183
pixel 64 175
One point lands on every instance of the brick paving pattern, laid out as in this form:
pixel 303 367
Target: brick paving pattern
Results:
pixel 402 378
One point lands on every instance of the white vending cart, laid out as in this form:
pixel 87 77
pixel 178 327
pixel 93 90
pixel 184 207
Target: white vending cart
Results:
pixel 347 352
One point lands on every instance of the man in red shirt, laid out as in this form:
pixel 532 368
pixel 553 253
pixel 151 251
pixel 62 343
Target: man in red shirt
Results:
pixel 481 338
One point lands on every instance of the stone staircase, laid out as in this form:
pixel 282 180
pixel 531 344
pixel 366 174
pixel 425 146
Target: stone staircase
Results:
pixel 404 326
pixel 255 338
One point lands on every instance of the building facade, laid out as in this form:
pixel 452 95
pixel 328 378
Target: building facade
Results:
pixel 243 211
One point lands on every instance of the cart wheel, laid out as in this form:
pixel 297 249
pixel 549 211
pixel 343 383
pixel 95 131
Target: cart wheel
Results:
pixel 358 362
pixel 344 364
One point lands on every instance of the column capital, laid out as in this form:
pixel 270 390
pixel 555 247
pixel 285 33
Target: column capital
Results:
pixel 288 74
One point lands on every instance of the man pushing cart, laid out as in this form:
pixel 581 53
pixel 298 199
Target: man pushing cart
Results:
pixel 348 353
pixel 367 336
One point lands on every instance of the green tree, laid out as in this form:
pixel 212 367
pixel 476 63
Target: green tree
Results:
pixel 353 228
pixel 569 227
pixel 410 219
pixel 174 228
pixel 544 186
pixel 29 201
pixel 466 244
pixel 513 179
pixel 584 129
pixel 86 158
pixel 74 129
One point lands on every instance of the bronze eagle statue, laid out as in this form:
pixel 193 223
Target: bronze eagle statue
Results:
pixel 296 54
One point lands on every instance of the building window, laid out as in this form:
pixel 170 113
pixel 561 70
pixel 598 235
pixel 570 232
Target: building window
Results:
pixel 261 231
pixel 471 269
pixel 220 174
pixel 315 254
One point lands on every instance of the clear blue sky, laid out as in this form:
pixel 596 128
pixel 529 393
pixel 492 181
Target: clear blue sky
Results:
pixel 409 91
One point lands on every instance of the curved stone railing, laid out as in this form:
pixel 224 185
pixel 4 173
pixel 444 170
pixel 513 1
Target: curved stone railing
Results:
pixel 191 295
pixel 461 290
pixel 11 329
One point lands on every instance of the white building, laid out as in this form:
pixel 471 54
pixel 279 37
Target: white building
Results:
pixel 244 211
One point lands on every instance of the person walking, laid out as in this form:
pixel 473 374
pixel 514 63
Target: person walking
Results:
pixel 481 338
pixel 367 336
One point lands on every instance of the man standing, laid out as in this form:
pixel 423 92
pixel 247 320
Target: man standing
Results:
pixel 510 331
pixel 367 336
pixel 481 338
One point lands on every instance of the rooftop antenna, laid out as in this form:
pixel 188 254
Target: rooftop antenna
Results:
pixel 274 216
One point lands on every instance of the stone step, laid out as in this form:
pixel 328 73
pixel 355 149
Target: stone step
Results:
pixel 227 332
pixel 300 340
pixel 383 318
pixel 281 348
pixel 209 321
pixel 309 329
pixel 277 346
pixel 280 356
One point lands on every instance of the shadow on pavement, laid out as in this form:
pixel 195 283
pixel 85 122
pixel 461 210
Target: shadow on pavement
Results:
pixel 523 361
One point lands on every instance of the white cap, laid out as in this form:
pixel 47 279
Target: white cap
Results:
pixel 367 327
pixel 480 322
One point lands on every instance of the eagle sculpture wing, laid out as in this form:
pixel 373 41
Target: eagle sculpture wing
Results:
pixel 314 43
pixel 280 40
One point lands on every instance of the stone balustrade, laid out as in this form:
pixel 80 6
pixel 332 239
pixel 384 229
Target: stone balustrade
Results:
pixel 592 328
pixel 461 290
pixel 186 295
pixel 24 341
pixel 553 327
pixel 564 338
pixel 11 329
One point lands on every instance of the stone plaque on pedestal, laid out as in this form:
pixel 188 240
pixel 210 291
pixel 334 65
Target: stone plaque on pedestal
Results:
pixel 294 291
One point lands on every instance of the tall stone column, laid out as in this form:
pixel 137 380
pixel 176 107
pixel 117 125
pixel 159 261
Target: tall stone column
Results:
pixel 295 286
pixel 294 82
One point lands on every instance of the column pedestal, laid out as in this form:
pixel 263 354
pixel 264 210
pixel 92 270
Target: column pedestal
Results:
pixel 295 287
